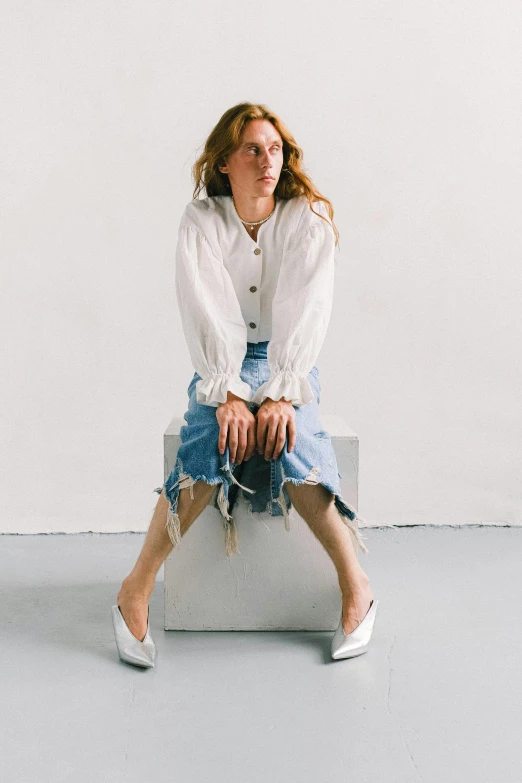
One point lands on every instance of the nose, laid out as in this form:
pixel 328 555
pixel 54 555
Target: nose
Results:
pixel 265 158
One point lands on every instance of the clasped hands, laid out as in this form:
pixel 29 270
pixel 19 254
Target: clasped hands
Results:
pixel 265 431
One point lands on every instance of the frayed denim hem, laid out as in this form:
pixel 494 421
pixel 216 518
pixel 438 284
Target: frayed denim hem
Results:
pixel 170 490
pixel 348 513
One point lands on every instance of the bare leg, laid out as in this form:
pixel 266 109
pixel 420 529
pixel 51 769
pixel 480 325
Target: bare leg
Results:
pixel 137 587
pixel 315 504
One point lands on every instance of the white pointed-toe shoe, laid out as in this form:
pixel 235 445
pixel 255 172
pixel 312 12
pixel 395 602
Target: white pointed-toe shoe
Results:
pixel 130 649
pixel 348 645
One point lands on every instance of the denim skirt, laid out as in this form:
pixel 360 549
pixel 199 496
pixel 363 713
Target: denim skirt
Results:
pixel 260 482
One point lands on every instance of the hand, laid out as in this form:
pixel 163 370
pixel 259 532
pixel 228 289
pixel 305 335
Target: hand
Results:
pixel 239 424
pixel 273 419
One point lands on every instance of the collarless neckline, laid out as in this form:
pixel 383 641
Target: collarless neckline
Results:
pixel 242 226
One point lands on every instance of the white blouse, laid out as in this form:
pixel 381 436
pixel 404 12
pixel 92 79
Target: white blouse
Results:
pixel 232 289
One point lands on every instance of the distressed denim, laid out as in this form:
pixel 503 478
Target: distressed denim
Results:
pixel 259 481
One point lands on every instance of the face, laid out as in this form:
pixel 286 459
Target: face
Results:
pixel 260 154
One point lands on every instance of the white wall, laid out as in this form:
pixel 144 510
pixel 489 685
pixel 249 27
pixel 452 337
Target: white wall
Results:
pixel 410 118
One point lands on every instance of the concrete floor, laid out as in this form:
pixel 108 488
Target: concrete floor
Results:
pixel 436 699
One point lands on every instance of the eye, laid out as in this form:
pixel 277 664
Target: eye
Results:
pixel 256 149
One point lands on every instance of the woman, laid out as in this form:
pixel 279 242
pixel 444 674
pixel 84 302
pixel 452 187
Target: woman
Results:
pixel 254 284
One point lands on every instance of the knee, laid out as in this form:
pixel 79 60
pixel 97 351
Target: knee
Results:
pixel 199 492
pixel 205 490
pixel 309 498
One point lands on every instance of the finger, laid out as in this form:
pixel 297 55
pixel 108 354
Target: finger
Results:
pixel 280 442
pixel 291 435
pixel 270 439
pixel 222 440
pixel 261 435
pixel 251 440
pixel 242 441
pixel 232 440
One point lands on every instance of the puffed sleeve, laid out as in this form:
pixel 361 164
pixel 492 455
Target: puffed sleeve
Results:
pixel 301 311
pixel 211 318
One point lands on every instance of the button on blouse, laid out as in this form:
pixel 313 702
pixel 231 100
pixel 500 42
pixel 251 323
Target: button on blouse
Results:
pixel 232 290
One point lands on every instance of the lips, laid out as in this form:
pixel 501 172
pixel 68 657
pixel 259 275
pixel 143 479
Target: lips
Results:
pixel 266 179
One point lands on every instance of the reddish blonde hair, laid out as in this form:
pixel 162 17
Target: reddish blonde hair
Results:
pixel 225 137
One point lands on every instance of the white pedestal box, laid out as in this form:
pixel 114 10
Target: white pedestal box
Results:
pixel 280 580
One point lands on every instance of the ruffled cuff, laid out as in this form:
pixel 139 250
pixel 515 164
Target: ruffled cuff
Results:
pixel 288 384
pixel 213 389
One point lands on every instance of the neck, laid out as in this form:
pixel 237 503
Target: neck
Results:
pixel 252 209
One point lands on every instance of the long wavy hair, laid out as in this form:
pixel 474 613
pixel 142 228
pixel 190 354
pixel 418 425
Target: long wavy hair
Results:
pixel 225 137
